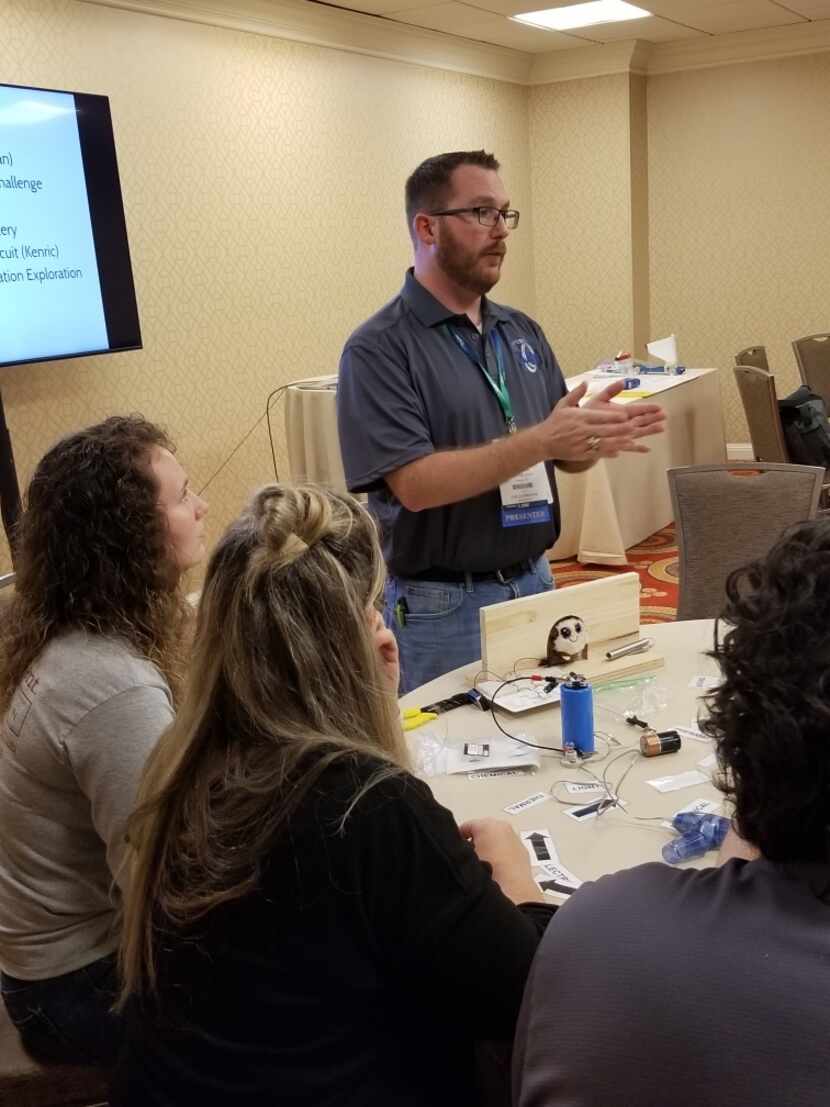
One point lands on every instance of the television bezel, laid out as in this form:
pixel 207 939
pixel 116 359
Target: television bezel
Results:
pixel 118 290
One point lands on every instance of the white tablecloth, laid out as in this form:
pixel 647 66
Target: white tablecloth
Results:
pixel 620 501
pixel 614 840
pixel 311 432
pixel 607 509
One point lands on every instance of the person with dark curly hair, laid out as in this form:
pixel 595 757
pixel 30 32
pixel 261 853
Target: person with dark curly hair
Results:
pixel 90 658
pixel 686 987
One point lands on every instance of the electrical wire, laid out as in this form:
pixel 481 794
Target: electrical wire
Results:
pixel 265 415
pixel 524 741
pixel 576 801
pixel 612 794
pixel 486 673
pixel 611 710
pixel 521 741
pixel 275 395
pixel 618 786
pixel 230 456
pixel 603 784
pixel 534 660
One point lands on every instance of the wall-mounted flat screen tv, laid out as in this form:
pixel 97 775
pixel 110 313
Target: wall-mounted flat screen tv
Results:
pixel 66 283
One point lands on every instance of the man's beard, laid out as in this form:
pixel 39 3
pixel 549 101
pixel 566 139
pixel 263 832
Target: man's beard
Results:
pixel 460 267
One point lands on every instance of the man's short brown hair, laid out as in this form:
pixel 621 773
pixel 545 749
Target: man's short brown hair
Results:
pixel 428 186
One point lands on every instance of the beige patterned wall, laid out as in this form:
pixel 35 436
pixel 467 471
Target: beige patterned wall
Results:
pixel 580 174
pixel 262 183
pixel 739 175
pixel 640 269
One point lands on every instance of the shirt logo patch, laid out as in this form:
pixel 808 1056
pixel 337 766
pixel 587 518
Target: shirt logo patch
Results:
pixel 527 354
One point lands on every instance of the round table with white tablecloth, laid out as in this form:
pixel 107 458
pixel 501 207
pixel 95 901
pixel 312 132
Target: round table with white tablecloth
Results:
pixel 616 839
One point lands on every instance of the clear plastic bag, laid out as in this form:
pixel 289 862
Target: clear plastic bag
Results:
pixel 641 696
pixel 429 752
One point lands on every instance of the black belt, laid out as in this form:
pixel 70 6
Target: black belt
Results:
pixel 457 576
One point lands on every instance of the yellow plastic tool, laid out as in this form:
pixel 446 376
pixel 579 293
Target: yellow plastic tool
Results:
pixel 414 716
pixel 631 395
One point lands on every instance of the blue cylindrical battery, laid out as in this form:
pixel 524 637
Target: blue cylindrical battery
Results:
pixel 577 699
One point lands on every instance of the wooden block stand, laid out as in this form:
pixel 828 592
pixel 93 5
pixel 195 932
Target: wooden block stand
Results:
pixel 517 631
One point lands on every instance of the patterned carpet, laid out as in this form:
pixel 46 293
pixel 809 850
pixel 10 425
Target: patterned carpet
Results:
pixel 655 559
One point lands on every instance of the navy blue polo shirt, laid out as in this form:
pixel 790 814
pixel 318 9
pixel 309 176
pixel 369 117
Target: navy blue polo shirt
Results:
pixel 407 389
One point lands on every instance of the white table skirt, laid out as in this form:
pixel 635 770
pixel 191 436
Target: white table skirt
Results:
pixel 620 501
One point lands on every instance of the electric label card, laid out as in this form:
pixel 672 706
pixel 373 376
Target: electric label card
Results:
pixel 681 780
pixel 591 810
pixel 540 847
pixel 576 788
pixel 530 801
pixel 557 879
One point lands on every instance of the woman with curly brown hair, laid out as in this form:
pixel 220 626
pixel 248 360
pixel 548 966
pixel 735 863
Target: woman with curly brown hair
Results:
pixel 90 660
pixel 304 924
pixel 691 987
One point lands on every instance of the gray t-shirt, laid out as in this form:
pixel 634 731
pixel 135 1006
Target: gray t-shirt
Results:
pixel 406 389
pixel 72 749
pixel 661 987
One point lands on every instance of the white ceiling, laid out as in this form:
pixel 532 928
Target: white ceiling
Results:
pixel 673 20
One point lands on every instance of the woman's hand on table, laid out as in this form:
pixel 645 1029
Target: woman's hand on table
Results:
pixel 497 843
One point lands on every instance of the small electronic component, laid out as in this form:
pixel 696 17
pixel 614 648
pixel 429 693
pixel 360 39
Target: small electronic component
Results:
pixel 653 744
pixel 477 750
pixel 632 720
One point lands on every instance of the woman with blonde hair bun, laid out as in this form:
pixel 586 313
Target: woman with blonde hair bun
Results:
pixel 304 923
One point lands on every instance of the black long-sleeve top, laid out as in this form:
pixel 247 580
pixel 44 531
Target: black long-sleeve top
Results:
pixel 360 973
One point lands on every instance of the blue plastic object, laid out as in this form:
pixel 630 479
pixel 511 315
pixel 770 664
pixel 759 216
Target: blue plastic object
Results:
pixel 698 834
pixel 577 700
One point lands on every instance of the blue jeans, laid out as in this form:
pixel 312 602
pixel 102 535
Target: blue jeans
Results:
pixel 67 1019
pixel 442 626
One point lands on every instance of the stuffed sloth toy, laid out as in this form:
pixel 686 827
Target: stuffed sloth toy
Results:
pixel 567 641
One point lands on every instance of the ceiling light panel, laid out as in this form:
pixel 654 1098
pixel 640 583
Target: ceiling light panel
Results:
pixel 582 15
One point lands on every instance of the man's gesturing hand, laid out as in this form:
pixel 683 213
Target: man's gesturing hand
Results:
pixel 600 428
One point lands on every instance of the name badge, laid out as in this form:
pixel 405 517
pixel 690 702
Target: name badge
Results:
pixel 527 497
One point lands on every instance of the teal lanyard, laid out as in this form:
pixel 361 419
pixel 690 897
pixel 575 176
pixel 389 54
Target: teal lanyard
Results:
pixel 499 384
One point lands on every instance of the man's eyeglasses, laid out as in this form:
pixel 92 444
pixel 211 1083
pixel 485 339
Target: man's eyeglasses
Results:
pixel 487 217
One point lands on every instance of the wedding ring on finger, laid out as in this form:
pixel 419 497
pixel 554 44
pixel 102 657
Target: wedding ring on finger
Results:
pixel 594 443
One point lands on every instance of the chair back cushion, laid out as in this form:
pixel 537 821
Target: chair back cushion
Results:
pixel 729 515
